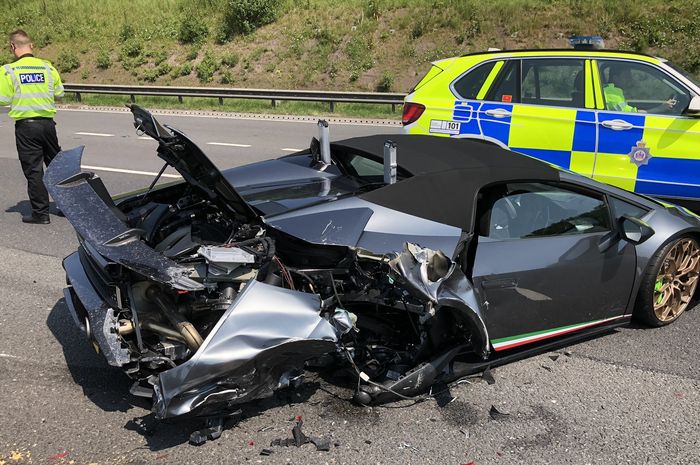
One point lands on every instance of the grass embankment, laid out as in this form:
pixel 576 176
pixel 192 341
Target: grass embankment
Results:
pixel 382 45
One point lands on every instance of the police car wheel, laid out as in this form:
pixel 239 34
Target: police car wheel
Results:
pixel 669 283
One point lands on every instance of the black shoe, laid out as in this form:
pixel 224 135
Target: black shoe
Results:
pixel 36 219
pixel 60 213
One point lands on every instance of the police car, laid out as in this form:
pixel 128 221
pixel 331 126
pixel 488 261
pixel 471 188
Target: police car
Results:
pixel 626 119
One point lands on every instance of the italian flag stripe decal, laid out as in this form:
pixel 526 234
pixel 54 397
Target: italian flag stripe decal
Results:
pixel 521 339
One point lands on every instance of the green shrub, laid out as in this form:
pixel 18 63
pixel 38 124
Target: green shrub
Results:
pixel 245 16
pixel 418 29
pixel 386 82
pixel 159 56
pixel 103 59
pixel 230 59
pixel 359 51
pixel 85 74
pixel 226 77
pixel 186 69
pixel 126 32
pixel 192 30
pixel 371 9
pixel 206 68
pixel 163 69
pixel 132 48
pixel 67 61
pixel 150 75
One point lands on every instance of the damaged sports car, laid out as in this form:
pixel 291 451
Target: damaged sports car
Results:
pixel 408 260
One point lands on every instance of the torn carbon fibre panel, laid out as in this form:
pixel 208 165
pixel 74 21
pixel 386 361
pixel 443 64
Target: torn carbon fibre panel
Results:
pixel 265 334
pixel 84 201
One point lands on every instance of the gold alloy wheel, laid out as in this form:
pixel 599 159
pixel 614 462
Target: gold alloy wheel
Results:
pixel 677 279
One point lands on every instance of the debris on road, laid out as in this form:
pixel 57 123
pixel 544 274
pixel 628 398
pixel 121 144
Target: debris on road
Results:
pixel 497 414
pixel 214 428
pixel 488 376
pixel 298 439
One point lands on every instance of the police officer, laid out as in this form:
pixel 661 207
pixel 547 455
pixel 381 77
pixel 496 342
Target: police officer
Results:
pixel 30 85
pixel 620 78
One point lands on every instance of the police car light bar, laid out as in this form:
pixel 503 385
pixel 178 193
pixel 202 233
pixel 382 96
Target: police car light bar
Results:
pixel 587 42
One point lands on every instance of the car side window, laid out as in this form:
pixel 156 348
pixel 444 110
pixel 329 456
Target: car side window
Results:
pixel 506 89
pixel 468 86
pixel 553 81
pixel 640 88
pixel 621 208
pixel 525 210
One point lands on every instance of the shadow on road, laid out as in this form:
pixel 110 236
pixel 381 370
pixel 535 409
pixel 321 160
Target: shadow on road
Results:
pixel 106 386
pixel 24 208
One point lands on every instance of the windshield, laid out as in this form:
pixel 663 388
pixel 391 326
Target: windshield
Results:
pixel 684 73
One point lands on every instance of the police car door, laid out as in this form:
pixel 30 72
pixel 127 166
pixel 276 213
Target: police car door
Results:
pixel 544 107
pixel 647 146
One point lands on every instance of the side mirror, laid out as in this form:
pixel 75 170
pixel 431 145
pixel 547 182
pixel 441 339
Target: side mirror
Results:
pixel 693 107
pixel 634 230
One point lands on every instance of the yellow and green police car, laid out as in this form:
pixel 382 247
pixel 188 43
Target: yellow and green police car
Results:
pixel 622 118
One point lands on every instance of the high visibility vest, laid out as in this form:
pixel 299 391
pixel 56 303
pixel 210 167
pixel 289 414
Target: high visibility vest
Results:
pixel 30 85
pixel 615 99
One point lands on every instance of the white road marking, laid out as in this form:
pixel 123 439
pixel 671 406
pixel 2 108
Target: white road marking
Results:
pixel 226 144
pixel 97 134
pixel 145 138
pixel 120 170
pixel 8 356
pixel 289 149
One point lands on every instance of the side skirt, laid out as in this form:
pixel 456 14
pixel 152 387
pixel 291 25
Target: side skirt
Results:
pixel 461 369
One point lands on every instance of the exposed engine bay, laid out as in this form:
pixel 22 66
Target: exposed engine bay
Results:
pixel 381 315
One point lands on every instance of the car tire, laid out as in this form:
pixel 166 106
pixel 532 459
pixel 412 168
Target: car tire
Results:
pixel 669 282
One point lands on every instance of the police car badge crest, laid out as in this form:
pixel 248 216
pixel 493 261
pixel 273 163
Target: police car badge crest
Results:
pixel 639 154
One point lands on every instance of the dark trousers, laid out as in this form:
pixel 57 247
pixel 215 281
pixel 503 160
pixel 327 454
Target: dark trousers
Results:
pixel 37 145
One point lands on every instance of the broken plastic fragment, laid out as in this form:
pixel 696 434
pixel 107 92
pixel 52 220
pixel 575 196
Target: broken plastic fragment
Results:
pixel 213 430
pixel 496 414
pixel 441 393
pixel 488 376
pixel 299 439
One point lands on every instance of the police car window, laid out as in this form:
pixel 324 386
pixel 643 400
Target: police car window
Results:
pixel 622 208
pixel 525 210
pixel 640 88
pixel 507 86
pixel 469 85
pixel 558 82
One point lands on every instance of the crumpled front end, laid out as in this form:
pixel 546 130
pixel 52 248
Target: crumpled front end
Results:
pixel 259 344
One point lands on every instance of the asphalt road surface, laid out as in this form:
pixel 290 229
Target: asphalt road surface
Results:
pixel 632 396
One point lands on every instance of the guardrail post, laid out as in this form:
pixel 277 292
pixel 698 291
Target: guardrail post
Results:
pixel 274 103
pixel 221 100
pixel 179 98
pixel 133 98
pixel 331 106
pixel 77 97
pixel 393 108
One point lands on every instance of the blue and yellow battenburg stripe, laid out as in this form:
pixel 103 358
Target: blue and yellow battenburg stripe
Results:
pixel 566 137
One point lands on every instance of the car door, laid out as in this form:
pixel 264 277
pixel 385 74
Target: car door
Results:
pixel 544 108
pixel 647 146
pixel 538 266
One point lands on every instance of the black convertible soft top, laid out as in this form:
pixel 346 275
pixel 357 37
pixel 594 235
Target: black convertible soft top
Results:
pixel 446 174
